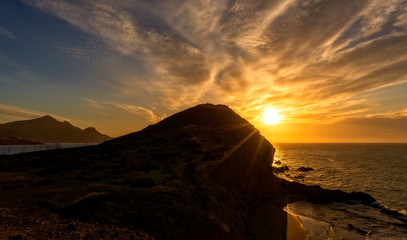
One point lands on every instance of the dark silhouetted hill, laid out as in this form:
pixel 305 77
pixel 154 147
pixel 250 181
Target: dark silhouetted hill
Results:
pixel 48 129
pixel 203 173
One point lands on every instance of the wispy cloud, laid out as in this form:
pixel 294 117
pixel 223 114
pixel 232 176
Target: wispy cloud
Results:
pixel 78 53
pixel 18 113
pixel 7 33
pixel 144 112
pixel 133 109
pixel 290 54
pixel 105 21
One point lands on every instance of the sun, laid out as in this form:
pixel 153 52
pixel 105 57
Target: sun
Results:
pixel 271 116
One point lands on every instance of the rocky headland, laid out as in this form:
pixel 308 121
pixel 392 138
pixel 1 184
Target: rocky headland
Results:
pixel 203 173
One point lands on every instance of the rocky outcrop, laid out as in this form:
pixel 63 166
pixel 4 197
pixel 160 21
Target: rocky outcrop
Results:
pixel 281 169
pixel 305 169
pixel 48 129
pixel 203 173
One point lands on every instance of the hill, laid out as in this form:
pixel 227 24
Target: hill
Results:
pixel 203 173
pixel 48 129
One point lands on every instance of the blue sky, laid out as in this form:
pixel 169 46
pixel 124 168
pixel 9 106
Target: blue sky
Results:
pixel 121 65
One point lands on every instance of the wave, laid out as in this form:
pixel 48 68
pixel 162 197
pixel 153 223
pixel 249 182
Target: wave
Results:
pixel 344 221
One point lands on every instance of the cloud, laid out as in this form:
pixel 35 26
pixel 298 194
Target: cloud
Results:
pixel 17 112
pixel 78 53
pixel 91 52
pixel 144 112
pixel 377 14
pixel 362 129
pixel 109 23
pixel 177 62
pixel 291 54
pixel 170 60
pixel 401 20
pixel 133 109
pixel 7 33
pixel 380 128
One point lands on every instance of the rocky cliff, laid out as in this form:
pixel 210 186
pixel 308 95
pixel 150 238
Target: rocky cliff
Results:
pixel 203 173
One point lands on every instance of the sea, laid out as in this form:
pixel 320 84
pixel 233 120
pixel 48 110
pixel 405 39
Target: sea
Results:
pixel 374 168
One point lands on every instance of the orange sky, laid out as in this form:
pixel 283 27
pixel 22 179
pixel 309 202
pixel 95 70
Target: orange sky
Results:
pixel 336 70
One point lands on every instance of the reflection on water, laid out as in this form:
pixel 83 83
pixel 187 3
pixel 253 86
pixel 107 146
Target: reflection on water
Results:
pixel 377 169
pixel 15 149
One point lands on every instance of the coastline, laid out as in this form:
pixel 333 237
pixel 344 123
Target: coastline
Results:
pixel 305 227
pixel 271 220
pixel 184 179
pixel 295 228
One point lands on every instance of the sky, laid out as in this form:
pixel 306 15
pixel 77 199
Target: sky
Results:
pixel 335 70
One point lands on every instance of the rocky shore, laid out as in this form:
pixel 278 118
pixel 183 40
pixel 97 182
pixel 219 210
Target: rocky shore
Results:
pixel 204 173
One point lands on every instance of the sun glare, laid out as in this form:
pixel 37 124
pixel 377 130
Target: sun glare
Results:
pixel 271 116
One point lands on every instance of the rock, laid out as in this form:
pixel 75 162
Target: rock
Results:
pixel 144 183
pixel 70 227
pixel 277 162
pixel 305 169
pixel 351 227
pixel 19 236
pixel 315 194
pixel 280 169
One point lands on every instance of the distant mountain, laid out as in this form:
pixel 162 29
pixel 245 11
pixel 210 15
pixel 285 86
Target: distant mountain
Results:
pixel 48 129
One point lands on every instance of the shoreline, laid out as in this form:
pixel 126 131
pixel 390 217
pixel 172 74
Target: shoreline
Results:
pixel 295 228
pixel 304 227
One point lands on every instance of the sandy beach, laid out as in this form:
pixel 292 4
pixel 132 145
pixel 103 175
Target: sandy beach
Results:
pixel 295 228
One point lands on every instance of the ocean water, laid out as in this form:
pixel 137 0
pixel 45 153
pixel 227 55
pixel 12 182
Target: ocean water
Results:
pixel 377 169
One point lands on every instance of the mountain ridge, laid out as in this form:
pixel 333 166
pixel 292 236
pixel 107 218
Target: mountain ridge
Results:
pixel 48 129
